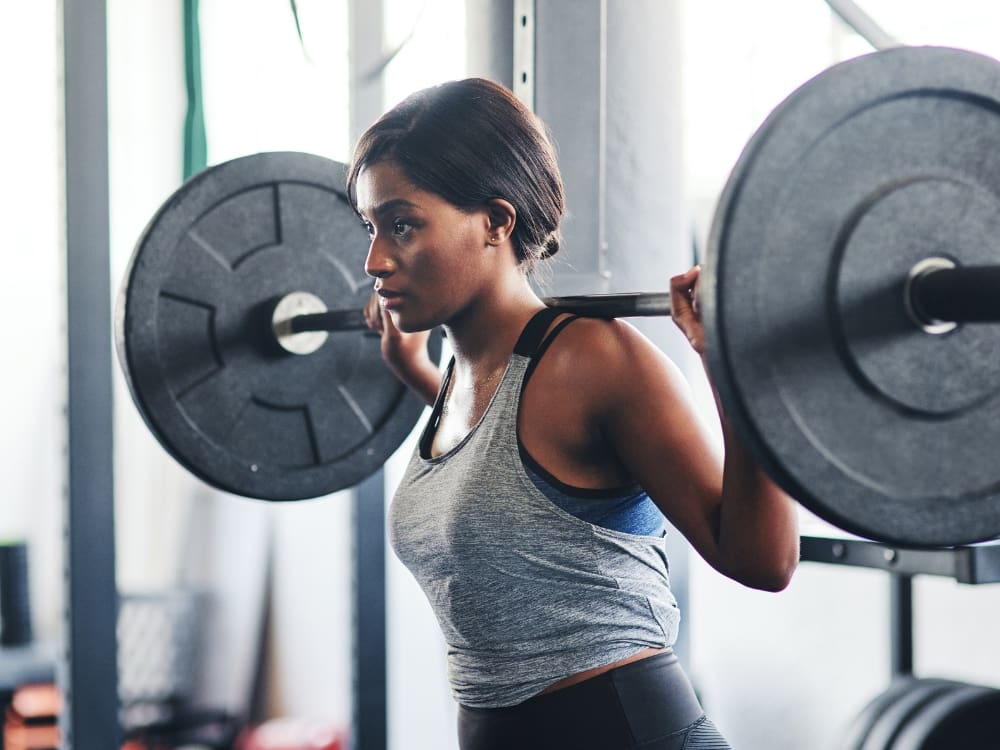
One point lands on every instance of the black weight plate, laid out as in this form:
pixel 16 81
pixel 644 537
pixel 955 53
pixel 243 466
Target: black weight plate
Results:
pixel 875 425
pixel 192 329
pixel 968 717
pixel 896 715
pixel 861 726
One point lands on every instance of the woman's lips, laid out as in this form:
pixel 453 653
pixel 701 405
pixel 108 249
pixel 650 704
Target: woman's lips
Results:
pixel 389 298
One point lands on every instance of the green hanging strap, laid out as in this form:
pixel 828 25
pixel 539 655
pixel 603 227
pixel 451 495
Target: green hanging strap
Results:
pixel 298 25
pixel 195 142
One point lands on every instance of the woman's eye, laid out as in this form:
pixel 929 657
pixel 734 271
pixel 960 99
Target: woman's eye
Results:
pixel 368 228
pixel 400 227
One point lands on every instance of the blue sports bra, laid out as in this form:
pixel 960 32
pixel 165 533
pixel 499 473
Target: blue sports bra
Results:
pixel 625 509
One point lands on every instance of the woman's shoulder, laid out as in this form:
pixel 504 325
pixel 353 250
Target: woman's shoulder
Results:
pixel 609 354
pixel 601 338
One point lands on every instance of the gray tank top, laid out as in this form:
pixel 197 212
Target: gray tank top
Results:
pixel 525 592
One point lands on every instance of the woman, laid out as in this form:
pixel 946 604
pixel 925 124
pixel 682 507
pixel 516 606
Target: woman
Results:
pixel 532 511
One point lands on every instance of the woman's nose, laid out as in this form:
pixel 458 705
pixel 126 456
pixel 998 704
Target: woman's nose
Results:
pixel 377 263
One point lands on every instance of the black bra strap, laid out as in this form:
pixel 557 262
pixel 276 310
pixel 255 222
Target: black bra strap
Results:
pixel 427 436
pixel 532 343
pixel 534 332
pixel 543 347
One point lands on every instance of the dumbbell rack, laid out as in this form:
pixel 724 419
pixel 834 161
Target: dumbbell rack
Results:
pixel 972 564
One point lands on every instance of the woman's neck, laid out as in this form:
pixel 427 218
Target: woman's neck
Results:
pixel 484 337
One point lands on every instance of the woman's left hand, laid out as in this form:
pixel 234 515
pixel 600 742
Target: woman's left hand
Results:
pixel 684 307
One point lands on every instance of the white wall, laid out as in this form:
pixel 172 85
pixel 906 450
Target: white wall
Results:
pixel 32 300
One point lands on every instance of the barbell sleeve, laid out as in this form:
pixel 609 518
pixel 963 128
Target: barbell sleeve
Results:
pixel 962 294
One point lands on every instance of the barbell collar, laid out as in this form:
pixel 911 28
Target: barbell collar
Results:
pixel 290 308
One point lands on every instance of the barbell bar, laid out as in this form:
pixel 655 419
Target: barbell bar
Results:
pixel 299 331
pixel 854 239
pixel 937 295
pixel 615 305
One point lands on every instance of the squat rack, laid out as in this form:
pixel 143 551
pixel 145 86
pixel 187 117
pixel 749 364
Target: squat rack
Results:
pixel 972 564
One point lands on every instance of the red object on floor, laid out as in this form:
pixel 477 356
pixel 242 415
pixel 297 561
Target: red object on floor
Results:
pixel 293 734
pixel 31 720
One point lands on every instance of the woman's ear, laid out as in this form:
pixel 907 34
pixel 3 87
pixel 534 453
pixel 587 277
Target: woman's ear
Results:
pixel 502 218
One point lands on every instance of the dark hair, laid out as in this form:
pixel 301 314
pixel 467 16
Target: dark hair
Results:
pixel 471 141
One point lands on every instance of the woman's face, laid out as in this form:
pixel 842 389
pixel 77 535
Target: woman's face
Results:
pixel 428 257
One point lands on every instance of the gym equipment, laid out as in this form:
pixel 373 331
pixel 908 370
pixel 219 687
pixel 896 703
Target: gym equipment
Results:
pixel 301 313
pixel 15 600
pixel 877 171
pixel 907 704
pixel 862 724
pixel 966 716
pixel 193 337
pixel 857 216
pixel 927 714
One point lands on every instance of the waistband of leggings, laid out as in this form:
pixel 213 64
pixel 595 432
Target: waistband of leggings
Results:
pixel 662 663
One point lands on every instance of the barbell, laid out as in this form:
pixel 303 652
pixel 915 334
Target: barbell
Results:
pixel 852 255
pixel 937 296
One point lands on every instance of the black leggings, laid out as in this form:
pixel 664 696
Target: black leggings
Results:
pixel 647 704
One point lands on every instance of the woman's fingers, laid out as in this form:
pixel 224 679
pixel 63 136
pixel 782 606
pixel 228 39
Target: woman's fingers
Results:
pixel 682 292
pixel 373 313
pixel 684 307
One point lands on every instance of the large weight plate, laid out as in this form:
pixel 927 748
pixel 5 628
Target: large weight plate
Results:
pixel 875 425
pixel 192 332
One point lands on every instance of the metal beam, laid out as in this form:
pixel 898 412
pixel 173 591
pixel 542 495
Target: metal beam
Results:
pixel 523 69
pixel 369 679
pixel 370 670
pixel 489 39
pixel 901 624
pixel 569 93
pixel 90 669
pixel 366 61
